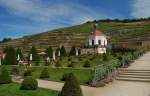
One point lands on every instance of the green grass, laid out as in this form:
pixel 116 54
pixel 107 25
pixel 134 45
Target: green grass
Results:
pixel 83 75
pixel 13 90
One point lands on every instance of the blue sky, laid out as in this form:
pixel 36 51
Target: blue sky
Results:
pixel 26 17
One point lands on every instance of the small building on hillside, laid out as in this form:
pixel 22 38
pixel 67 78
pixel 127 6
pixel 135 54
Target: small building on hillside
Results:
pixel 97 43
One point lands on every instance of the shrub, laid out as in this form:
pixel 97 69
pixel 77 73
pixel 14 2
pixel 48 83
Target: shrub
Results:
pixel 58 64
pixel 5 78
pixel 64 77
pixel 15 71
pixel 72 64
pixel 71 87
pixel 28 72
pixel 87 64
pixel 44 74
pixel 70 59
pixel 29 83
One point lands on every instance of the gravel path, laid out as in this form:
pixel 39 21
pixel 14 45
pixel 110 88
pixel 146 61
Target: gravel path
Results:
pixel 116 88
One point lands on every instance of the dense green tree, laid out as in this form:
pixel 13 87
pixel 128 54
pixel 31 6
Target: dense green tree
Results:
pixel 87 64
pixel 73 51
pixel 10 58
pixel 44 74
pixel 6 40
pixel 71 87
pixel 63 51
pixel 35 55
pixel 27 72
pixel 29 83
pixel 49 52
pixel 58 64
pixel 15 70
pixel 5 78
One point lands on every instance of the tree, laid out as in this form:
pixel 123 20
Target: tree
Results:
pixel 15 71
pixel 63 51
pixel 35 55
pixel 58 64
pixel 72 64
pixel 44 74
pixel 71 87
pixel 29 83
pixel 49 52
pixel 6 40
pixel 27 72
pixel 105 57
pixel 10 58
pixel 73 51
pixel 5 78
pixel 87 64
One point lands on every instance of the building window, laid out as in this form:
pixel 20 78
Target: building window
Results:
pixel 92 42
pixel 99 42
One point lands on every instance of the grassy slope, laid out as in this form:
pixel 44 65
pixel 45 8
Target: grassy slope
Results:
pixel 13 90
pixel 77 35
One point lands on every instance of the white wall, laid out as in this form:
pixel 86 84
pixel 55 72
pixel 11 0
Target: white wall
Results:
pixel 101 50
pixel 96 39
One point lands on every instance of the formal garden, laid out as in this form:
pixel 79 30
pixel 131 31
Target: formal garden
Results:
pixel 82 66
pixel 91 69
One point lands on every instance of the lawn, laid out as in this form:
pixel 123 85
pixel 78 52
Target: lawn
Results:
pixel 83 75
pixel 13 90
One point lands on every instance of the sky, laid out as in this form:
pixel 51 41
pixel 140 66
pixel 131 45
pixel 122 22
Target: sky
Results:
pixel 25 17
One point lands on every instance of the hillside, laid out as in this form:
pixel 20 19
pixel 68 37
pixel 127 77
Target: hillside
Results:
pixel 77 35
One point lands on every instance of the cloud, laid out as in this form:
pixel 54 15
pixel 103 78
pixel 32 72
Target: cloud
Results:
pixel 61 12
pixel 141 8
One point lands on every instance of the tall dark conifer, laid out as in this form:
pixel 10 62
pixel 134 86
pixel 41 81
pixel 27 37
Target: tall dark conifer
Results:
pixel 35 55
pixel 63 51
pixel 10 58
pixel 73 51
pixel 49 52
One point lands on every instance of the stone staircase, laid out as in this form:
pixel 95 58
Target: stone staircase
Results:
pixel 134 75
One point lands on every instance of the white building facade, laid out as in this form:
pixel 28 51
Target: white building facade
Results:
pixel 99 40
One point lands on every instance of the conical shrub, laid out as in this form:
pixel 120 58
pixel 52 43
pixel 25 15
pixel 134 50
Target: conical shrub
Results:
pixel 29 83
pixel 44 74
pixel 5 78
pixel 71 87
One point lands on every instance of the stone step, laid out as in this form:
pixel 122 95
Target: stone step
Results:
pixel 123 69
pixel 147 72
pixel 133 76
pixel 133 79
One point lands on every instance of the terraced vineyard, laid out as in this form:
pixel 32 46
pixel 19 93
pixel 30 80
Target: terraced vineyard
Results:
pixel 78 35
